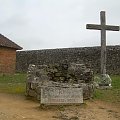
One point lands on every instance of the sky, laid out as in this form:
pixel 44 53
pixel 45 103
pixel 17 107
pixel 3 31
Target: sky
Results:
pixel 49 24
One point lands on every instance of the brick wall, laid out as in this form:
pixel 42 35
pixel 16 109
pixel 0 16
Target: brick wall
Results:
pixel 7 60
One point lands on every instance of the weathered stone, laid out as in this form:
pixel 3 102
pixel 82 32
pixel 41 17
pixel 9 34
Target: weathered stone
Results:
pixel 61 95
pixel 34 85
pixel 68 75
pixel 32 93
pixel 105 81
pixel 87 55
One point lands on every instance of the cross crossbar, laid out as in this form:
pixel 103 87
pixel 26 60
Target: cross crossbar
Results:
pixel 100 27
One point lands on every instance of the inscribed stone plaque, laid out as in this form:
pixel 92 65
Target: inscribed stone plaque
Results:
pixel 61 95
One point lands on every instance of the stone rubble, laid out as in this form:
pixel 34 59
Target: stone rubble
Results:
pixel 63 74
pixel 103 82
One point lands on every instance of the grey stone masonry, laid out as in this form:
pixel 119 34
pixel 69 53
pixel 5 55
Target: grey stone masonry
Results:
pixel 86 55
pixel 59 75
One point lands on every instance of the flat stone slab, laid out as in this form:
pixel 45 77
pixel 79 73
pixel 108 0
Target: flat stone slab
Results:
pixel 61 95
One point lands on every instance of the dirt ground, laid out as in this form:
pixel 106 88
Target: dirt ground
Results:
pixel 17 107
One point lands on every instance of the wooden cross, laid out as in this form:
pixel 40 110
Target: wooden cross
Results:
pixel 103 27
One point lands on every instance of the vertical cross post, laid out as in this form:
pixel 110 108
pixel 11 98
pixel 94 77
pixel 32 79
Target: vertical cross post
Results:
pixel 103 43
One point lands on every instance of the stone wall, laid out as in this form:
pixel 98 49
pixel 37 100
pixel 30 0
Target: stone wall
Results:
pixel 87 55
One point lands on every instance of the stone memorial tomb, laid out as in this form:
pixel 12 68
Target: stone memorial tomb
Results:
pixel 60 83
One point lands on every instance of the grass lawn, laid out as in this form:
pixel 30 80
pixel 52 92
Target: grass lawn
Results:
pixel 13 83
pixel 16 84
pixel 110 95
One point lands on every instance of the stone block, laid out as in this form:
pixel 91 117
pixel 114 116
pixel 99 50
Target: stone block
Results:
pixel 61 95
